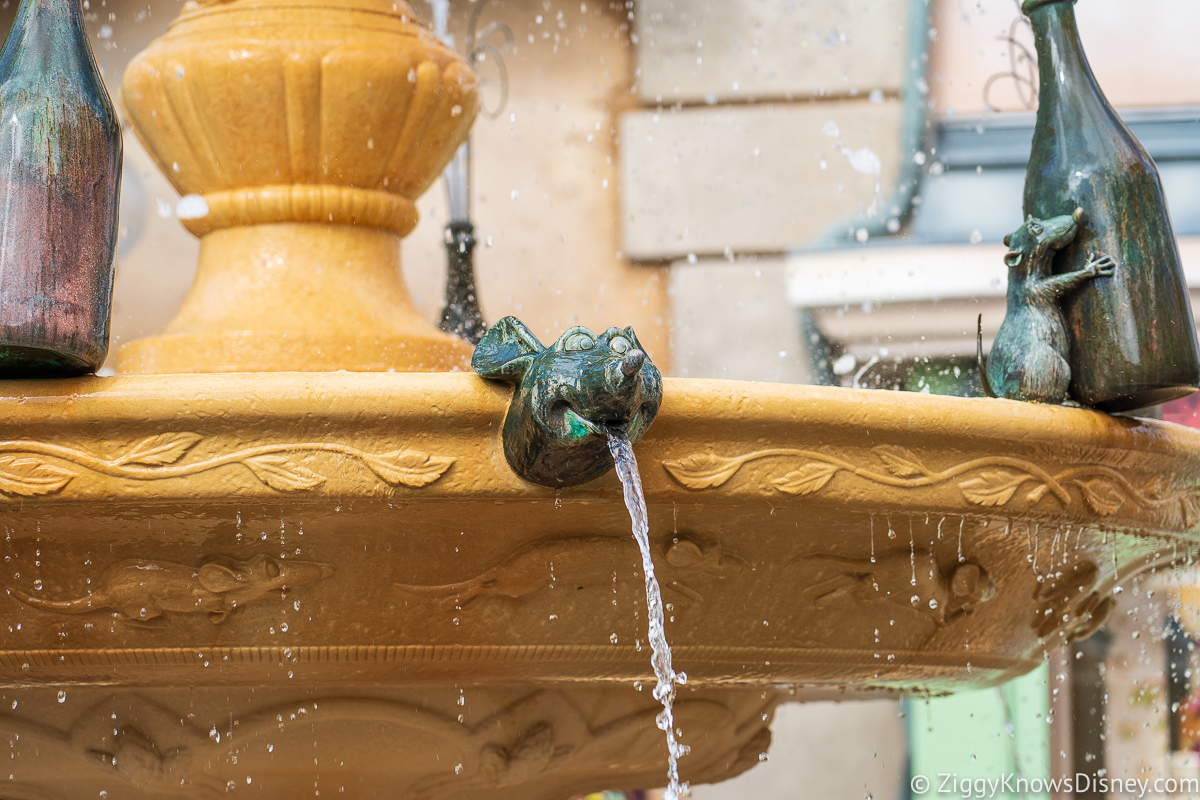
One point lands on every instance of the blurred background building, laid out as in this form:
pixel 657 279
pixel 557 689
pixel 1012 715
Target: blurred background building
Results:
pixel 797 191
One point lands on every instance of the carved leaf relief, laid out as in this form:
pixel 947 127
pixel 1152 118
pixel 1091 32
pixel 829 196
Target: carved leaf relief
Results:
pixel 29 476
pixel 703 470
pixel 25 472
pixel 155 451
pixel 807 479
pixel 900 461
pixel 280 473
pixel 408 467
pixel 993 487
pixel 991 481
pixel 1101 496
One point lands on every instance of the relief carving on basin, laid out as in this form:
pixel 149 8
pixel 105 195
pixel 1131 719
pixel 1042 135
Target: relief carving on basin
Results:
pixel 771 558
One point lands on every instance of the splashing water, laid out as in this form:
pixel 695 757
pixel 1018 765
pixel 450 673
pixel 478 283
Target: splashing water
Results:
pixel 664 691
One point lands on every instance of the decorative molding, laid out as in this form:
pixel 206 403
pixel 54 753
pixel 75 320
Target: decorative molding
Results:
pixel 992 481
pixel 25 472
pixel 744 660
pixel 305 203
pixel 544 735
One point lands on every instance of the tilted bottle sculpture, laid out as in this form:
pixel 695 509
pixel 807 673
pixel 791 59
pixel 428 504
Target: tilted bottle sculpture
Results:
pixel 1133 342
pixel 60 175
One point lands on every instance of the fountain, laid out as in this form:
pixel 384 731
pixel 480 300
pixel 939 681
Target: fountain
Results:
pixel 380 606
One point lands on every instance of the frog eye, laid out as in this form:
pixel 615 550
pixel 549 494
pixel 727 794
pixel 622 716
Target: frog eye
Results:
pixel 620 344
pixel 578 341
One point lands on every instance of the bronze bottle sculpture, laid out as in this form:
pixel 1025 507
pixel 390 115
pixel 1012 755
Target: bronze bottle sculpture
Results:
pixel 1133 341
pixel 60 177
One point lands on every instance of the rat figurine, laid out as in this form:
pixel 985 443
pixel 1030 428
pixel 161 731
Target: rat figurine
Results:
pixel 1030 359
pixel 568 396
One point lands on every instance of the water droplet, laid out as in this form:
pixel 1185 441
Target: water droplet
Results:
pixel 613 638
pixel 933 603
pixel 37 584
pixel 214 735
pixel 458 769
pixel 62 696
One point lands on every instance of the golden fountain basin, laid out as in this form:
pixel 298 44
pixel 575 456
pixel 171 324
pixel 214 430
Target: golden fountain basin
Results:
pixel 820 537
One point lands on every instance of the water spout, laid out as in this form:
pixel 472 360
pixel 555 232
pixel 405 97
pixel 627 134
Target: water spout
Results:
pixel 568 395
pixel 664 691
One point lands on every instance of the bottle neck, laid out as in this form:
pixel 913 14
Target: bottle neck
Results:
pixel 1062 65
pixel 44 28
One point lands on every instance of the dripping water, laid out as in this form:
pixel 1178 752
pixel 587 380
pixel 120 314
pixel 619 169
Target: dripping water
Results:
pixel 872 538
pixel 664 691
pixel 912 554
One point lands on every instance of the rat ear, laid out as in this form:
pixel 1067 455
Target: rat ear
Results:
pixel 1013 258
pixel 1008 240
pixel 506 350
pixel 218 578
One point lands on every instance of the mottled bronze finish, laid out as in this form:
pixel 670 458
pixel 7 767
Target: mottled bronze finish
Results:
pixel 1030 357
pixel 567 396
pixel 1133 342
pixel 60 177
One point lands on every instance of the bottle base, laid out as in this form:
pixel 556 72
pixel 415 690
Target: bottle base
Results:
pixel 36 362
pixel 1143 399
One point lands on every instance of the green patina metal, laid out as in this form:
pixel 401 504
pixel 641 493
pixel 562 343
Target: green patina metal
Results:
pixel 60 177
pixel 1132 338
pixel 568 395
pixel 1030 359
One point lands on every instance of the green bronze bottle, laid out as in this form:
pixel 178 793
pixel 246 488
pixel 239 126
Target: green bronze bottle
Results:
pixel 60 178
pixel 1133 341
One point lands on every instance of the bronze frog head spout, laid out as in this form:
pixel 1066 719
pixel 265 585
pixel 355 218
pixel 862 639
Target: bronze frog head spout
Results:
pixel 568 396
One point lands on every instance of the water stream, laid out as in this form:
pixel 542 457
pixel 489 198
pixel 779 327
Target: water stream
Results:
pixel 664 690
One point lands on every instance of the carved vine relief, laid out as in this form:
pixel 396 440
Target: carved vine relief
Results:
pixel 26 472
pixel 992 481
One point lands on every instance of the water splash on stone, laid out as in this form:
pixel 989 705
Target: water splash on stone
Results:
pixel 664 691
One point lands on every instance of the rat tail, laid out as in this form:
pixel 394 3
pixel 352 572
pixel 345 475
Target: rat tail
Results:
pixel 983 376
pixel 79 606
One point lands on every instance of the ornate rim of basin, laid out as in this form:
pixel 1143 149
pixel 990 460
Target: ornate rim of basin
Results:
pixel 784 517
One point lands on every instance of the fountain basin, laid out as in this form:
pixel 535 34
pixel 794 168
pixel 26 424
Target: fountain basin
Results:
pixel 421 567
pixel 757 494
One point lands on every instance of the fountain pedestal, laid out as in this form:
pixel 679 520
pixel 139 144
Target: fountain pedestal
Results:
pixel 300 135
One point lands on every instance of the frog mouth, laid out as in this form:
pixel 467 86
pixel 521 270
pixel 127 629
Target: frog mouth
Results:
pixel 599 427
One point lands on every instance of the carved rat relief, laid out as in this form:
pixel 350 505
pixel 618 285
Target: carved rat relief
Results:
pixel 911 579
pixel 143 590
pixel 1030 358
pixel 570 561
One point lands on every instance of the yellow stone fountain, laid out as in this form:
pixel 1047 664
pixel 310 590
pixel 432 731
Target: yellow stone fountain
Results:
pixel 233 569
